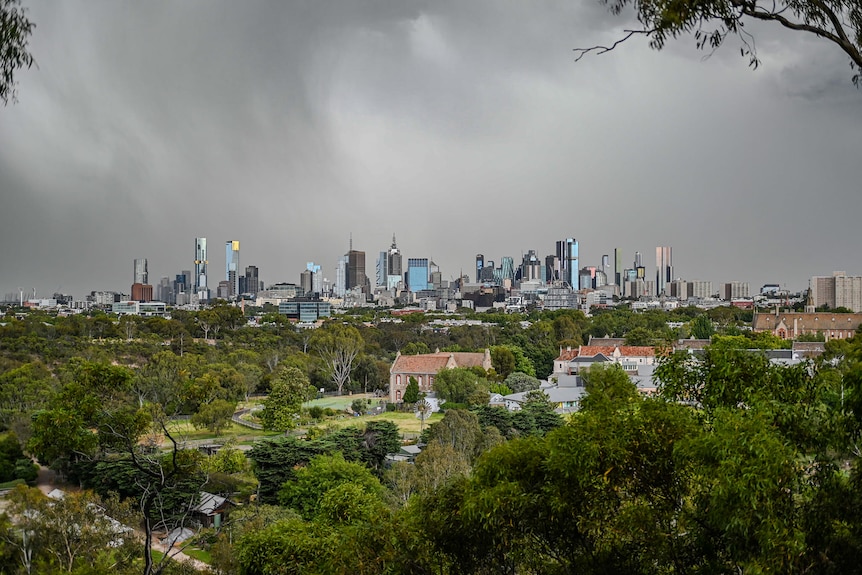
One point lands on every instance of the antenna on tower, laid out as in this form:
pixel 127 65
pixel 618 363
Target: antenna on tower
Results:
pixel 351 241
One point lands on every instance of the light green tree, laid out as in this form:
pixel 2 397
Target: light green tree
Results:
pixel 281 409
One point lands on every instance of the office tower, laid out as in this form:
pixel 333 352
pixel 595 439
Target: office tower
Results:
pixel 382 268
pixel 487 275
pixel 248 282
pixel 552 269
pixel 507 269
pixel 316 277
pixel 141 274
pixel 417 274
pixel 435 278
pixel 306 282
pixel 664 268
pixel 618 267
pixel 340 286
pixel 231 264
pixel 480 263
pixel 165 291
pixel 393 262
pixel 600 279
pixel 638 260
pixel 201 269
pixel 531 267
pixel 567 253
pixel 356 270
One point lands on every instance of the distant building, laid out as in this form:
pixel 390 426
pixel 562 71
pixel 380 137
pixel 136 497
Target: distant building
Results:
pixel 200 279
pixel 791 325
pixel 417 274
pixel 425 367
pixel 837 290
pixel 305 311
pixel 141 276
pixel 735 290
pixel 231 261
pixel 142 293
pixel 664 269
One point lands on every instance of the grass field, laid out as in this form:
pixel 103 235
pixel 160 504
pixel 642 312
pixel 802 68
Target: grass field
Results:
pixel 407 423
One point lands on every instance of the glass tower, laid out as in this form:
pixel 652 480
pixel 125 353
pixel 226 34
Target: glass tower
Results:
pixel 231 261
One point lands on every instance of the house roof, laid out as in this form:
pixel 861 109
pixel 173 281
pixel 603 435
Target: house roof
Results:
pixel 691 344
pixel 434 362
pixel 807 321
pixel 567 354
pixel 624 350
pixel 210 504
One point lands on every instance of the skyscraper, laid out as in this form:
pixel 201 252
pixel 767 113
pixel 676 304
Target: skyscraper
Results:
pixel 250 283
pixel 393 263
pixel 201 269
pixel 618 267
pixel 141 274
pixel 417 274
pixel 382 268
pixel 480 263
pixel 567 253
pixel 355 270
pixel 664 268
pixel 231 264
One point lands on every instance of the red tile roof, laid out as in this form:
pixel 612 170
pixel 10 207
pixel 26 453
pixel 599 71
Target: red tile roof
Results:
pixel 434 362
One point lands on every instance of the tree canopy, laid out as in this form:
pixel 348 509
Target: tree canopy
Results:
pixel 712 21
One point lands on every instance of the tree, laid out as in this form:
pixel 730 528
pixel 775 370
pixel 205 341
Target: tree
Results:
pixel 712 21
pixel 67 533
pixel 411 392
pixel 15 30
pixel 338 345
pixel 701 327
pixel 281 409
pixel 310 485
pixel 461 385
pixel 214 416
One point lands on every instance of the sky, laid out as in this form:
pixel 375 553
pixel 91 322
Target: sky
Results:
pixel 461 127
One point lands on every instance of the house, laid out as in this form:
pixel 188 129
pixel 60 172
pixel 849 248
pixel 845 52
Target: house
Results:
pixel 791 324
pixel 631 357
pixel 424 368
pixel 210 510
pixel 407 453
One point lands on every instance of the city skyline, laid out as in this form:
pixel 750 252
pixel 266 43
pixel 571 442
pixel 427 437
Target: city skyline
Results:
pixel 464 128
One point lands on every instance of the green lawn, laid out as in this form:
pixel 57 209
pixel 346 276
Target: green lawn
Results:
pixel 199 554
pixel 406 422
pixel 340 402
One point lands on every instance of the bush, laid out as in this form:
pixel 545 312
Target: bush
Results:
pixel 316 412
pixel 391 407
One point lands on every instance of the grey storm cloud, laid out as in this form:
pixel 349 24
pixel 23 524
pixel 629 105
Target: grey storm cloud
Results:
pixel 462 127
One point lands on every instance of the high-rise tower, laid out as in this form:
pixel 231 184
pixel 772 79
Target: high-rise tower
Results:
pixel 200 278
pixel 567 253
pixel 664 268
pixel 231 264
pixel 480 263
pixel 141 274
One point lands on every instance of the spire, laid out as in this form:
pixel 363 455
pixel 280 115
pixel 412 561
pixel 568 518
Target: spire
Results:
pixel 393 241
pixel 351 241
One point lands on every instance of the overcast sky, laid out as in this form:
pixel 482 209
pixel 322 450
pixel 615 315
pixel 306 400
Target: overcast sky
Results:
pixel 462 127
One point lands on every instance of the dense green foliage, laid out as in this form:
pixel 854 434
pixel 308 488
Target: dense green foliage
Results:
pixel 737 464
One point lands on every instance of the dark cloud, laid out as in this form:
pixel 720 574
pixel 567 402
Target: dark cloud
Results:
pixel 463 127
